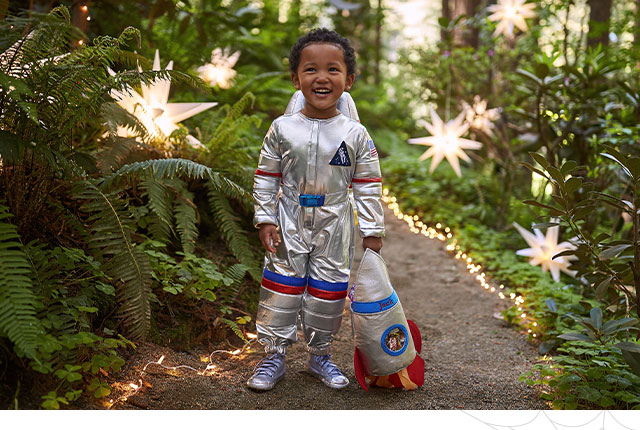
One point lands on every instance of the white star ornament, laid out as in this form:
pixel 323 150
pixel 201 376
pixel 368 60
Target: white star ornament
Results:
pixel 543 248
pixel 510 14
pixel 445 141
pixel 152 108
pixel 220 70
pixel 479 117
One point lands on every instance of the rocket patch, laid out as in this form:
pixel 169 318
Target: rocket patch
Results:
pixel 341 157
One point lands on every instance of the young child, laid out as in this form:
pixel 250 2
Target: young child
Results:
pixel 308 161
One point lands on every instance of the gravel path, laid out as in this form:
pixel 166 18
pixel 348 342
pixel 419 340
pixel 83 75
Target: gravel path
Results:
pixel 473 360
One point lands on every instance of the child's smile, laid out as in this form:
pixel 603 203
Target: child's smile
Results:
pixel 322 77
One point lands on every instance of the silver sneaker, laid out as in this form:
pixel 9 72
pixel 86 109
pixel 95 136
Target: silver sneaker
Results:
pixel 267 372
pixel 321 367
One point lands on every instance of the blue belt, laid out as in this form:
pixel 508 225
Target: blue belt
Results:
pixel 311 200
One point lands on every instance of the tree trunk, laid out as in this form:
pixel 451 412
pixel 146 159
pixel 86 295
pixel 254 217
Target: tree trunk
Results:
pixel 79 14
pixel 599 20
pixel 466 36
pixel 446 13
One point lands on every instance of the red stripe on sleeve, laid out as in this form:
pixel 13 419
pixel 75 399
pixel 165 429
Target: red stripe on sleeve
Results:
pixel 262 172
pixel 280 288
pixel 366 180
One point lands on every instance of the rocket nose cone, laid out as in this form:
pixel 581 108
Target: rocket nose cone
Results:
pixel 372 280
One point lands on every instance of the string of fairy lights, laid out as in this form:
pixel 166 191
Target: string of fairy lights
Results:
pixel 133 387
pixel 443 233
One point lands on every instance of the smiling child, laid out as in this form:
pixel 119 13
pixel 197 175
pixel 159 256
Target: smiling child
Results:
pixel 308 161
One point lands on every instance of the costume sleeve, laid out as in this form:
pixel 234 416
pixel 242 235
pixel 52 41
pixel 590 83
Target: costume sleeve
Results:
pixel 367 189
pixel 266 181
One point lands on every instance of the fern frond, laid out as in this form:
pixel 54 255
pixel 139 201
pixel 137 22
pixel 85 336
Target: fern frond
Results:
pixel 160 203
pixel 234 327
pixel 110 239
pixel 234 235
pixel 186 215
pixel 175 167
pixel 18 319
pixel 236 272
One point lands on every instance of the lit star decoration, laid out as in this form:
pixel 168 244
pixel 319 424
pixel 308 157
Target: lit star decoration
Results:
pixel 479 117
pixel 159 117
pixel 543 248
pixel 220 71
pixel 511 13
pixel 445 141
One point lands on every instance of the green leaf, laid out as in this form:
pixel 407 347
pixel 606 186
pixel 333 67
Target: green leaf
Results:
pixel 607 401
pixel 572 184
pixel 633 163
pixel 533 169
pixel 621 161
pixel 613 251
pixel 547 346
pixel 568 167
pixel 540 160
pixel 603 286
pixel 575 336
pixel 596 317
pixel 551 304
pixel 556 175
pixel 629 346
pixel 530 76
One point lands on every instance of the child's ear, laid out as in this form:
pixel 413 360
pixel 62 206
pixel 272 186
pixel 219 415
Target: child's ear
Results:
pixel 349 82
pixel 295 80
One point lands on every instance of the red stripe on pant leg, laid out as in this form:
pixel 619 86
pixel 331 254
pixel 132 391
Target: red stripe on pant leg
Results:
pixel 366 180
pixel 327 295
pixel 279 288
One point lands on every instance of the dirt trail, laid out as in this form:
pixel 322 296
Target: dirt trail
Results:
pixel 473 360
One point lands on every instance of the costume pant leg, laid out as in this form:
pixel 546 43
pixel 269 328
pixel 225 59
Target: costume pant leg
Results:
pixel 283 284
pixel 329 267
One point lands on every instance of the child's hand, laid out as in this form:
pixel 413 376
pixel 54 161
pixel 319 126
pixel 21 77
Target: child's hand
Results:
pixel 269 237
pixel 373 243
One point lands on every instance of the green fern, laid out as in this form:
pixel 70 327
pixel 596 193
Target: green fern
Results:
pixel 160 202
pixel 111 239
pixel 18 319
pixel 186 218
pixel 176 167
pixel 229 225
pixel 234 327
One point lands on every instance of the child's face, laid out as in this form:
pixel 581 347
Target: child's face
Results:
pixel 322 77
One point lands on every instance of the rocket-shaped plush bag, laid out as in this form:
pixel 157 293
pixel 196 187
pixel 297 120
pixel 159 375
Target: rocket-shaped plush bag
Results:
pixel 387 344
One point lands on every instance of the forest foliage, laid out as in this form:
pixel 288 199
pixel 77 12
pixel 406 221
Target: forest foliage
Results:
pixel 108 239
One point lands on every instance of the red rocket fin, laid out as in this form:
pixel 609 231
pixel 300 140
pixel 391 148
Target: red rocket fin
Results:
pixel 359 369
pixel 415 371
pixel 415 335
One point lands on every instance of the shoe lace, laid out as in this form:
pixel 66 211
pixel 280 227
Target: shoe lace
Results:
pixel 267 366
pixel 327 365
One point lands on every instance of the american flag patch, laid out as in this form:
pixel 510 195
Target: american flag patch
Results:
pixel 372 149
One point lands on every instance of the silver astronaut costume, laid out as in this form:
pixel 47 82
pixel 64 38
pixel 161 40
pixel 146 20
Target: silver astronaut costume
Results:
pixel 302 185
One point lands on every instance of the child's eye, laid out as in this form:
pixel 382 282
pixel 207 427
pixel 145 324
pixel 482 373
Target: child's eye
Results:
pixel 310 69
pixel 333 69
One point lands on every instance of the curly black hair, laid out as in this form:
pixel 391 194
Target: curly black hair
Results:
pixel 323 35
